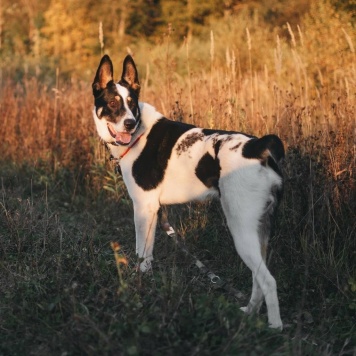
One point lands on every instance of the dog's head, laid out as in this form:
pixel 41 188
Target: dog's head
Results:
pixel 116 112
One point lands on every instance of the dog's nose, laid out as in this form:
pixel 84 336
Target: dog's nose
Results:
pixel 129 124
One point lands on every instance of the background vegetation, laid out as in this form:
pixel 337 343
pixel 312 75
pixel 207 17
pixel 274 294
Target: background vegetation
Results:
pixel 286 67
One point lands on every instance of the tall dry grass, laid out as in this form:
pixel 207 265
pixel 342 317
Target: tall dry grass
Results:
pixel 46 124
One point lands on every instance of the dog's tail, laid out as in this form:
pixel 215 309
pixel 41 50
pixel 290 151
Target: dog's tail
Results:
pixel 268 149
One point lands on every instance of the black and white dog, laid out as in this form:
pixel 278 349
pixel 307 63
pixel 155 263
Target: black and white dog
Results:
pixel 168 162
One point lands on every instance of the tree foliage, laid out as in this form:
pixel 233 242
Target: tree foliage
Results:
pixel 64 40
pixel 65 33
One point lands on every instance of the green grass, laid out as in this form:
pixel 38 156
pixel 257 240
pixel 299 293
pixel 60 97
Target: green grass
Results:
pixel 61 293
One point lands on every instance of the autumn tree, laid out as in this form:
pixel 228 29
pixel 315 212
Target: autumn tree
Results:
pixel 189 17
pixel 70 36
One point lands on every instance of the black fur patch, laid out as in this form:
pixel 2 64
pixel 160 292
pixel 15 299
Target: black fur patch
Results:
pixel 208 171
pixel 105 99
pixel 189 141
pixel 149 168
pixel 236 147
pixel 256 148
pixel 217 145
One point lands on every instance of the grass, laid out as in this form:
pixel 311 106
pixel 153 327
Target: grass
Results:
pixel 61 207
pixel 61 292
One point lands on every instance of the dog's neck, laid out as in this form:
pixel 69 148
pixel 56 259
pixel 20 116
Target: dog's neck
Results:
pixel 149 115
pixel 131 146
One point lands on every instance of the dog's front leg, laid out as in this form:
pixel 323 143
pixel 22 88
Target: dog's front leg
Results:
pixel 145 226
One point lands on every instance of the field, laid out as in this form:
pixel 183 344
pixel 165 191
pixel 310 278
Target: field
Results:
pixel 61 206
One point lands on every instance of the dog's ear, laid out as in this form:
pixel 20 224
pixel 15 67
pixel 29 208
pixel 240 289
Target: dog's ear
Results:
pixel 130 75
pixel 104 74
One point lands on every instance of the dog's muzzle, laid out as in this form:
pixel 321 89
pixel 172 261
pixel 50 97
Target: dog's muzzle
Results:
pixel 121 138
pixel 124 137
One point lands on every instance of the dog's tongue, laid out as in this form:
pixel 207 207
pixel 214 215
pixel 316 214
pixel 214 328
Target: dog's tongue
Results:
pixel 123 137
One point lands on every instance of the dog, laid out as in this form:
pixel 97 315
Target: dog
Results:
pixel 168 162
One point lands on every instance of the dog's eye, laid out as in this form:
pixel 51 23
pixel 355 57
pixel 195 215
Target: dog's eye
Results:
pixel 112 103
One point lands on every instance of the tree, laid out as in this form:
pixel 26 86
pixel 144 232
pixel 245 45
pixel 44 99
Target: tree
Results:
pixel 144 17
pixel 189 17
pixel 69 37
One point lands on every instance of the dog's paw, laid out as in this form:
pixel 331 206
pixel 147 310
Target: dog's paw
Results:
pixel 146 265
pixel 278 326
pixel 247 310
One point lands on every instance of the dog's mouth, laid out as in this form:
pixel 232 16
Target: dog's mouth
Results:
pixel 122 138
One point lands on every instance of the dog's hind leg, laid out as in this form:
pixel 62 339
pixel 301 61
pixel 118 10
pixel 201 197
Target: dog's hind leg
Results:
pixel 243 221
pixel 145 226
pixel 256 299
